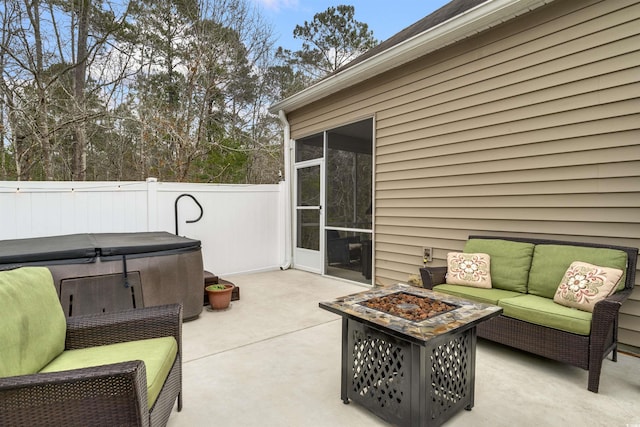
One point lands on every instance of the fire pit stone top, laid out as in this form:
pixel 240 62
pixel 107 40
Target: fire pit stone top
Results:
pixel 415 308
pixel 417 313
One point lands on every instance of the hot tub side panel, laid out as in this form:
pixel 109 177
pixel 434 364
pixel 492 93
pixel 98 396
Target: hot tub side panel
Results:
pixel 170 278
pixel 160 278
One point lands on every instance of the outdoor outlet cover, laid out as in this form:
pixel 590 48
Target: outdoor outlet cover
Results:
pixel 427 255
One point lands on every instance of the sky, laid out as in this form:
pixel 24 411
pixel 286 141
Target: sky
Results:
pixel 384 17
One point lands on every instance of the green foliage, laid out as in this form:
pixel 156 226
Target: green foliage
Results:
pixel 332 39
pixel 225 162
pixel 285 80
pixel 215 288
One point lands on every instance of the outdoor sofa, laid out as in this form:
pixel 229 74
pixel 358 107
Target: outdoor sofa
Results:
pixel 540 314
pixel 121 368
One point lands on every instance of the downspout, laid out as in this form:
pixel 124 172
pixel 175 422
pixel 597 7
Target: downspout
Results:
pixel 287 185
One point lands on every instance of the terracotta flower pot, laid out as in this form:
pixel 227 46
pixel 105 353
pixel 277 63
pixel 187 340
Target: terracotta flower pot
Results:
pixel 219 299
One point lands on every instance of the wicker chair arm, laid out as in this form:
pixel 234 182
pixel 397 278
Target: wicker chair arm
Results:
pixel 432 276
pixel 115 393
pixel 608 308
pixel 130 325
pixel 619 297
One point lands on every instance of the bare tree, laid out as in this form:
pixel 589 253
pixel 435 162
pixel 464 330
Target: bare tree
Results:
pixel 80 74
pixel 4 93
pixel 199 108
pixel 46 72
pixel 35 63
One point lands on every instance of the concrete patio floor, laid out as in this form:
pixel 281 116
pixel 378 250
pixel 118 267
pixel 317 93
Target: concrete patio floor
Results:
pixel 273 359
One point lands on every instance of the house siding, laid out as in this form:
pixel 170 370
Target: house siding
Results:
pixel 531 128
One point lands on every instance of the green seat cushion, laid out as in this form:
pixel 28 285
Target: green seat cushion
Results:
pixel 545 312
pixel 550 262
pixel 487 296
pixel 32 324
pixel 510 261
pixel 158 355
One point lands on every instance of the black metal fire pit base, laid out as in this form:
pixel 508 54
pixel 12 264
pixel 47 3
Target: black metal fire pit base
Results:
pixel 410 373
pixel 408 384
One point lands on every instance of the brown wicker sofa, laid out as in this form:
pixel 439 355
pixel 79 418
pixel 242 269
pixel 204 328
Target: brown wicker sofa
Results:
pixel 545 333
pixel 126 367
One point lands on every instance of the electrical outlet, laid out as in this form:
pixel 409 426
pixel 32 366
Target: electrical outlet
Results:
pixel 427 255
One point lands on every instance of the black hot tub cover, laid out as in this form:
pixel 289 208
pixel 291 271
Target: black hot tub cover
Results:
pixel 83 248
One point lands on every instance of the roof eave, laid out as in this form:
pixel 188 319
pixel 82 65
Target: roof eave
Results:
pixel 472 21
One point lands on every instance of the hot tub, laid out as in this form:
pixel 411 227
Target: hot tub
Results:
pixel 107 272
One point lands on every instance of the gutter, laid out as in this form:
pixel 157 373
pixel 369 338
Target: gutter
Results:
pixel 288 243
pixel 468 23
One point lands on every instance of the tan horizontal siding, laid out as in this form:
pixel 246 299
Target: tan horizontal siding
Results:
pixel 557 175
pixel 531 128
pixel 568 214
pixel 450 63
pixel 416 233
pixel 515 126
pixel 632 307
pixel 585 131
pixel 541 100
pixel 492 95
pixel 516 201
pixel 451 189
pixel 629 337
pixel 454 103
pixel 503 147
pixel 614 157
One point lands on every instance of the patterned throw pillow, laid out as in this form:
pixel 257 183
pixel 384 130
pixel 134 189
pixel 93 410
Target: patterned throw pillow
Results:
pixel 469 269
pixel 584 284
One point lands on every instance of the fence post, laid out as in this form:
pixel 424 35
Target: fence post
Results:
pixel 152 204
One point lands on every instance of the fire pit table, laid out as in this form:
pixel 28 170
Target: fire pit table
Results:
pixel 408 353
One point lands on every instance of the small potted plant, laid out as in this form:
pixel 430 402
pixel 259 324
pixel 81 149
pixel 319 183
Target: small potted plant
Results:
pixel 219 295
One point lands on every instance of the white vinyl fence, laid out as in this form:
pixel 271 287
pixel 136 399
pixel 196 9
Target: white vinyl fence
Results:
pixel 241 229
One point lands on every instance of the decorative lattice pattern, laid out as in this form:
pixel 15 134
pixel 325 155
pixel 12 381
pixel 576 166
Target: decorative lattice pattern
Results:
pixel 379 371
pixel 450 372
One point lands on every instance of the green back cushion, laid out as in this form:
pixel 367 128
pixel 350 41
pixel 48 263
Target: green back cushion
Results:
pixel 510 261
pixel 33 326
pixel 550 262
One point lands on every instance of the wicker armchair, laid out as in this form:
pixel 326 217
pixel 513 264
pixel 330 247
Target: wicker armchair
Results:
pixel 109 395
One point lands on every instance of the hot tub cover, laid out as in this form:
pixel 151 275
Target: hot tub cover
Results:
pixel 84 248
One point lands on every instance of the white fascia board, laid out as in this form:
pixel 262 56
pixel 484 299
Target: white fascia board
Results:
pixel 473 21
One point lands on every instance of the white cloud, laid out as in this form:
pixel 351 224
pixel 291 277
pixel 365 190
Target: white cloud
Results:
pixel 276 5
